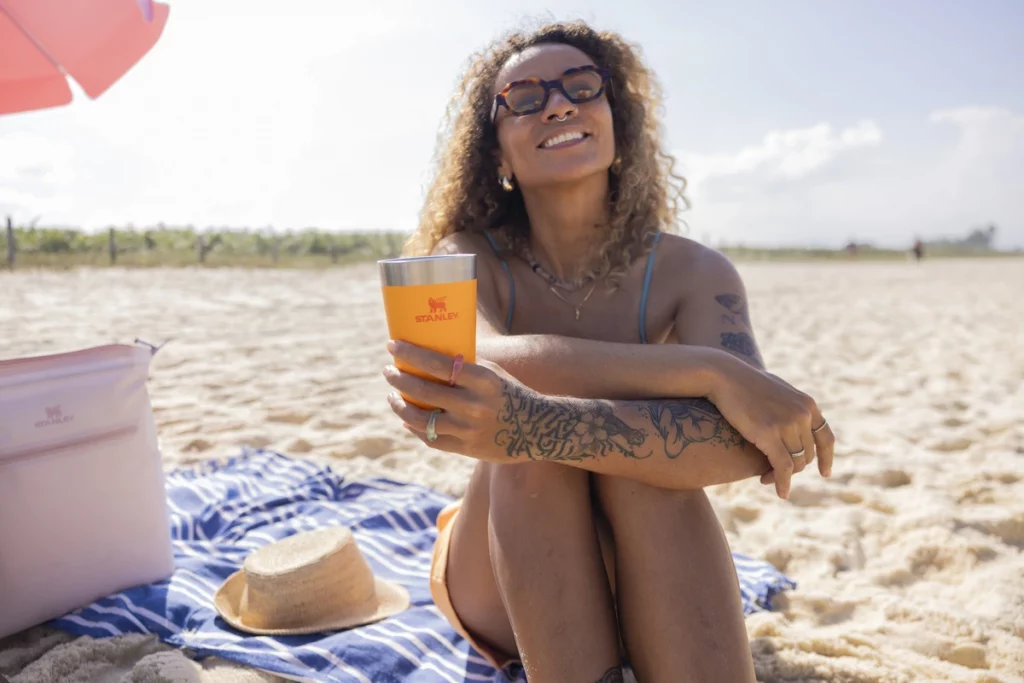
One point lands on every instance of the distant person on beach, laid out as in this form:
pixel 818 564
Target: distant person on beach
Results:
pixel 617 377
pixel 918 250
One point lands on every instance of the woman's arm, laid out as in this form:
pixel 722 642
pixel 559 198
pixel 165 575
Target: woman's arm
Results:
pixel 585 368
pixel 713 310
pixel 677 443
pixel 670 443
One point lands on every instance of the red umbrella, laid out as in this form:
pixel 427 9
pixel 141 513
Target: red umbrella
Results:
pixel 93 41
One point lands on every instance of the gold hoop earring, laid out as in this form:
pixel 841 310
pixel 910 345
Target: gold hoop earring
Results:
pixel 506 184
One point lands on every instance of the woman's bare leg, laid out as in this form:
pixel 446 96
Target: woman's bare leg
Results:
pixel 678 597
pixel 525 572
pixel 550 572
pixel 471 586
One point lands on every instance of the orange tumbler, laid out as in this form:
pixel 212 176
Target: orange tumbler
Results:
pixel 430 301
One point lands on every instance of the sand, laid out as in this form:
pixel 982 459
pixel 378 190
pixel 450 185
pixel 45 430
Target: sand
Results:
pixel 909 560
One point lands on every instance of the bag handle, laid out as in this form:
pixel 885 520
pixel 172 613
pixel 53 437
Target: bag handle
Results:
pixel 153 349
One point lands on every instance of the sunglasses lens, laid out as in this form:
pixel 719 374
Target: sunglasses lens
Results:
pixel 582 86
pixel 528 98
pixel 525 98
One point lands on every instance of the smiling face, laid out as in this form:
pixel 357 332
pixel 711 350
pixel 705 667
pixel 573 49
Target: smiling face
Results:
pixel 562 143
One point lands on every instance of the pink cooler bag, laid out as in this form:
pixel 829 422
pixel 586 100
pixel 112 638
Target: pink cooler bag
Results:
pixel 83 512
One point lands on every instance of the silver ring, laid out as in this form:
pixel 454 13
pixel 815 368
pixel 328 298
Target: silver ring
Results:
pixel 797 454
pixel 824 423
pixel 432 425
pixel 561 118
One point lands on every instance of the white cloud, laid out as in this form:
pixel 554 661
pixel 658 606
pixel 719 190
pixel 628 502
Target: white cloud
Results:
pixel 819 186
pixel 973 116
pixel 789 153
pixel 986 166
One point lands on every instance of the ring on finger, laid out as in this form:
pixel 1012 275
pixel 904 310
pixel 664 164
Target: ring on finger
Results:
pixel 456 369
pixel 432 425
pixel 824 423
pixel 798 453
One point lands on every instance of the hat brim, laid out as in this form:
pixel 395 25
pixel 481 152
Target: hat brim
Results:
pixel 391 599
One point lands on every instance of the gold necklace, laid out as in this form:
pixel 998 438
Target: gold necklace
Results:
pixel 578 306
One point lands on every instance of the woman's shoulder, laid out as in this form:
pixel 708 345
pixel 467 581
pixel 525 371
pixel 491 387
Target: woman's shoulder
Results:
pixel 465 242
pixel 686 256
pixel 488 262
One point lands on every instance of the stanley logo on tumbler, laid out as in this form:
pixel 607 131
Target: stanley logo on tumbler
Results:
pixel 438 311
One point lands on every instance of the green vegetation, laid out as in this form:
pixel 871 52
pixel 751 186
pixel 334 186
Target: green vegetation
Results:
pixel 863 253
pixel 179 247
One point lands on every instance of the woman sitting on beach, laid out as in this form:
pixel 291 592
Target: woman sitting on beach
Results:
pixel 585 527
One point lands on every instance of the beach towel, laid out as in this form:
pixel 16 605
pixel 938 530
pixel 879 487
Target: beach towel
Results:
pixel 220 512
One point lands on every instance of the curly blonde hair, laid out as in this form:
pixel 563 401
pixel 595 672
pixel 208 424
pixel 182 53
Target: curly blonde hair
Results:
pixel 645 195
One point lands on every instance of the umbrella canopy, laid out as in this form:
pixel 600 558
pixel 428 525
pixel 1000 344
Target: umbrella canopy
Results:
pixel 95 42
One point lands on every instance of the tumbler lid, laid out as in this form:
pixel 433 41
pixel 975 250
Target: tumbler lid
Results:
pixel 427 270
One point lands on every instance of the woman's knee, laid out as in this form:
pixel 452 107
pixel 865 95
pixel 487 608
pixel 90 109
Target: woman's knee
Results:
pixel 620 498
pixel 538 483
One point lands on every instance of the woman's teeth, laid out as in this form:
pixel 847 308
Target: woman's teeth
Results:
pixel 559 139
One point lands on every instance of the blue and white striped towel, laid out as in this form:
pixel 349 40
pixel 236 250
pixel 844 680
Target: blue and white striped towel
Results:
pixel 222 512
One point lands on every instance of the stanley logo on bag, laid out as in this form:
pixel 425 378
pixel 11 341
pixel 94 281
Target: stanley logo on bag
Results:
pixel 54 416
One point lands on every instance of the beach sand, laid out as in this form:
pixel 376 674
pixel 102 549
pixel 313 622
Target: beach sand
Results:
pixel 909 560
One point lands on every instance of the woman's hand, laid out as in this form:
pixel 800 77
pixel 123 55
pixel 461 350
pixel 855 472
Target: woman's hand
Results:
pixel 475 419
pixel 777 418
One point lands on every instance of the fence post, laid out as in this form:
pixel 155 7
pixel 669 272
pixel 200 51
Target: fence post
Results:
pixel 11 248
pixel 112 245
pixel 201 249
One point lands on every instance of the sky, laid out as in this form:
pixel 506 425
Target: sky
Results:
pixel 795 123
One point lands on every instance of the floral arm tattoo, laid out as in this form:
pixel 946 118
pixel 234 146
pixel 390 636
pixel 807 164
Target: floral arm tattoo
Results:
pixel 547 428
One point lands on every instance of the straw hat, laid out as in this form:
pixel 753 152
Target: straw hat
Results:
pixel 309 582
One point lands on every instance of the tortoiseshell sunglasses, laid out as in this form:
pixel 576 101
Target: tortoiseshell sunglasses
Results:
pixel 530 95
